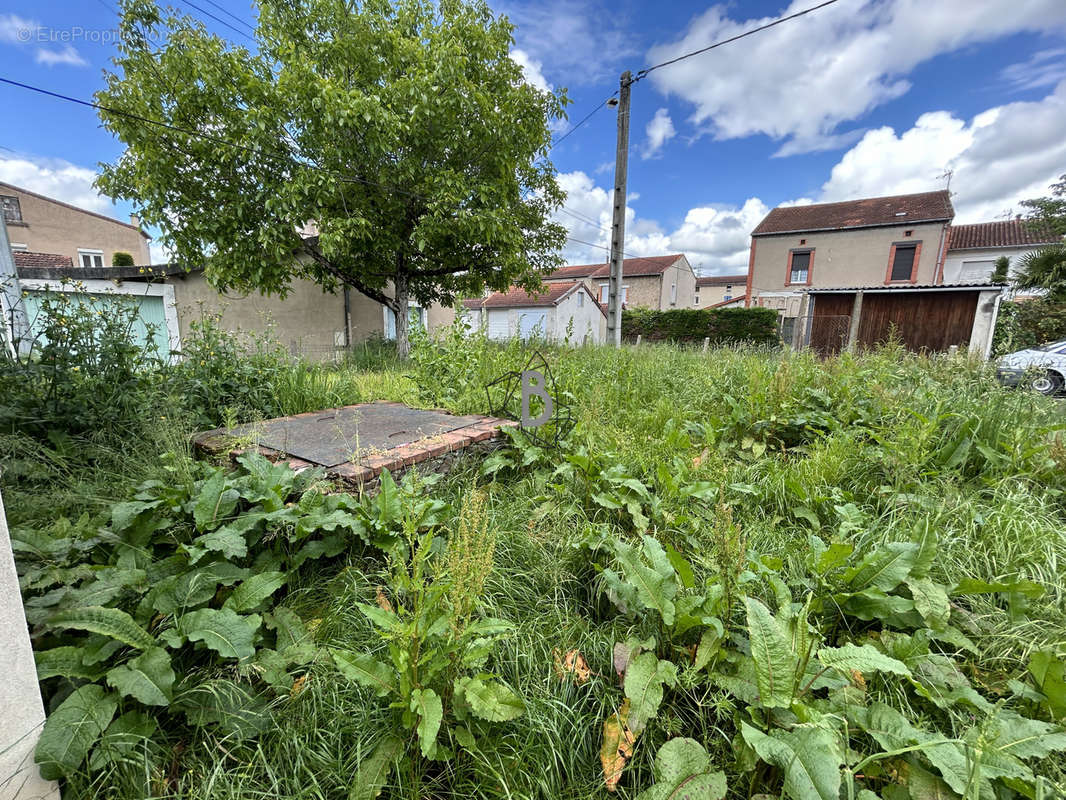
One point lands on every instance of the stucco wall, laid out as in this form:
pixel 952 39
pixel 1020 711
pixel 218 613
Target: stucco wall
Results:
pixel 712 295
pixel 305 322
pixel 842 258
pixel 681 274
pixel 589 323
pixel 49 226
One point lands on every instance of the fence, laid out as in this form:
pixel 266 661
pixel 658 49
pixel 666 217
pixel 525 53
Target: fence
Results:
pixel 827 335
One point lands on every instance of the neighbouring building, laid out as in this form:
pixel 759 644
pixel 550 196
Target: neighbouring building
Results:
pixel 974 249
pixel 718 291
pixel 39 224
pixel 564 311
pixel 855 273
pixel 656 282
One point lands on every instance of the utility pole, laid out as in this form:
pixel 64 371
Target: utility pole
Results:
pixel 618 226
pixel 16 326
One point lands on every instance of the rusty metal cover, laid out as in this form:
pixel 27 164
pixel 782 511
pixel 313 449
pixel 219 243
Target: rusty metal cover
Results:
pixel 336 436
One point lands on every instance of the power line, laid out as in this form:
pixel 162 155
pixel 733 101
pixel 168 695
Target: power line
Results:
pixel 644 72
pixel 230 14
pixel 585 119
pixel 584 219
pixel 221 21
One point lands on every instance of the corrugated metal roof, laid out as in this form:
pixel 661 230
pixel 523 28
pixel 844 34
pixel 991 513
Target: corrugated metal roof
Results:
pixel 925 287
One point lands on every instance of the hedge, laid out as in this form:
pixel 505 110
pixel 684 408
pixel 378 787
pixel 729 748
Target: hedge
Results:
pixel 1029 323
pixel 756 325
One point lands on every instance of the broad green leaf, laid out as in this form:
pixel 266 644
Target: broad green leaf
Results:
pixel 430 710
pixel 228 542
pixel 365 671
pixel 682 770
pixel 233 706
pixel 643 685
pixel 771 650
pixel 149 677
pixel 681 566
pixel 254 590
pixel 884 568
pixel 72 729
pixel 228 633
pixel 931 601
pixel 1014 735
pixel 492 701
pixel 65 661
pixel 111 622
pixel 386 620
pixel 809 756
pixel 122 737
pixel 864 659
pixel 373 772
pixel 656 585
pixel 710 642
pixel 1049 674
pixel 184 592
pixel 969 586
pixel 123 515
pixel 215 501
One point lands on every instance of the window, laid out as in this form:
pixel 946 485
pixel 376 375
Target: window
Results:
pixel 696 299
pixel 580 299
pixel 673 294
pixel 625 295
pixel 799 266
pixel 903 262
pixel 19 248
pixel 604 289
pixel 12 209
pixel 90 258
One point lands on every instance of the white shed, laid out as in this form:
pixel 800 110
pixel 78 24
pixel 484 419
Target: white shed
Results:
pixel 564 312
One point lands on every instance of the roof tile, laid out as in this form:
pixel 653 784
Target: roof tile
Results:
pixel 24 258
pixel 721 280
pixel 903 209
pixel 631 268
pixel 1001 233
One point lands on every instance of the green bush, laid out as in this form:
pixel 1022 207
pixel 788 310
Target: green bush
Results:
pixel 121 259
pixel 1029 323
pixel 720 325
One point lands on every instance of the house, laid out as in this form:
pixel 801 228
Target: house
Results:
pixel 564 311
pixel 656 282
pixel 855 273
pixel 39 224
pixel 719 290
pixel 974 249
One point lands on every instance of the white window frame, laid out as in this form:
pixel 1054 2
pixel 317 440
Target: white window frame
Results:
pixel 19 247
pixel 88 251
pixel 580 299
pixel 605 292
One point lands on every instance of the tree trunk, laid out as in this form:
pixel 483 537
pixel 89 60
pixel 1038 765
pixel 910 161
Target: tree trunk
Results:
pixel 403 344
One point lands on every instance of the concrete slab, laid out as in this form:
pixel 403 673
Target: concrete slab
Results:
pixel 355 443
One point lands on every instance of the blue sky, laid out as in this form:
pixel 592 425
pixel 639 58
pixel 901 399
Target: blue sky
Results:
pixel 865 97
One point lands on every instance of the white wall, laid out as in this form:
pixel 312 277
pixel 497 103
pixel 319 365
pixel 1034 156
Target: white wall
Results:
pixel 589 324
pixel 961 266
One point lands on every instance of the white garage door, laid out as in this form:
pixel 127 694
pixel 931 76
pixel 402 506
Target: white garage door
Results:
pixel 532 323
pixel 498 325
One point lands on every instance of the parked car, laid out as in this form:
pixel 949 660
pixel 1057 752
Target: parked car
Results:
pixel 1042 369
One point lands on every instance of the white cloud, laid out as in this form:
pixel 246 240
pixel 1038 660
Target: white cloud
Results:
pixel 16 30
pixel 1044 68
pixel 68 55
pixel 714 237
pixel 659 130
pixel 531 70
pixel 1002 155
pixel 800 80
pixel 57 179
pixel 582 39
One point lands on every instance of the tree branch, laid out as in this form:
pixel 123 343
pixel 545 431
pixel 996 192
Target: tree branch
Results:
pixel 347 280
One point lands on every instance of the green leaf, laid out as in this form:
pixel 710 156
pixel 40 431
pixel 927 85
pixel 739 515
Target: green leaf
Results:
pixel 66 662
pixel 107 621
pixel 491 701
pixel 1049 674
pixel 253 591
pixel 809 756
pixel 373 771
pixel 771 650
pixel 644 680
pixel 884 568
pixel 655 586
pixel 969 586
pixel 129 731
pixel 215 501
pixel 682 770
pixel 223 630
pixel 366 671
pixel 864 659
pixel 148 677
pixel 233 706
pixel 72 729
pixel 430 710
pixel 227 541
pixel 931 601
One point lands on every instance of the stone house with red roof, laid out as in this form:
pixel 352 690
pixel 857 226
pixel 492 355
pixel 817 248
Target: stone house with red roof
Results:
pixel 657 282
pixel 720 291
pixel 564 311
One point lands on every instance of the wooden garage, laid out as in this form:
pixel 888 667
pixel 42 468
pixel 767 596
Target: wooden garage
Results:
pixel 924 318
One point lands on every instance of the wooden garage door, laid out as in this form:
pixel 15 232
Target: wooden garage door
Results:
pixel 930 321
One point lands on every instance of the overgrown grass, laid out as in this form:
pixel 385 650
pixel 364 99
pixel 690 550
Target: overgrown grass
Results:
pixel 865 449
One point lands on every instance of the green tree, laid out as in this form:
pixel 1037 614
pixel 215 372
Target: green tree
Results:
pixel 1044 269
pixel 1049 213
pixel 121 259
pixel 402 134
pixel 1001 272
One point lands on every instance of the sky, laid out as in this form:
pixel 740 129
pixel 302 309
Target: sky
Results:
pixel 859 99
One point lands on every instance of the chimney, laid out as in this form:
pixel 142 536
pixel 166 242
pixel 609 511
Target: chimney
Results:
pixel 135 221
